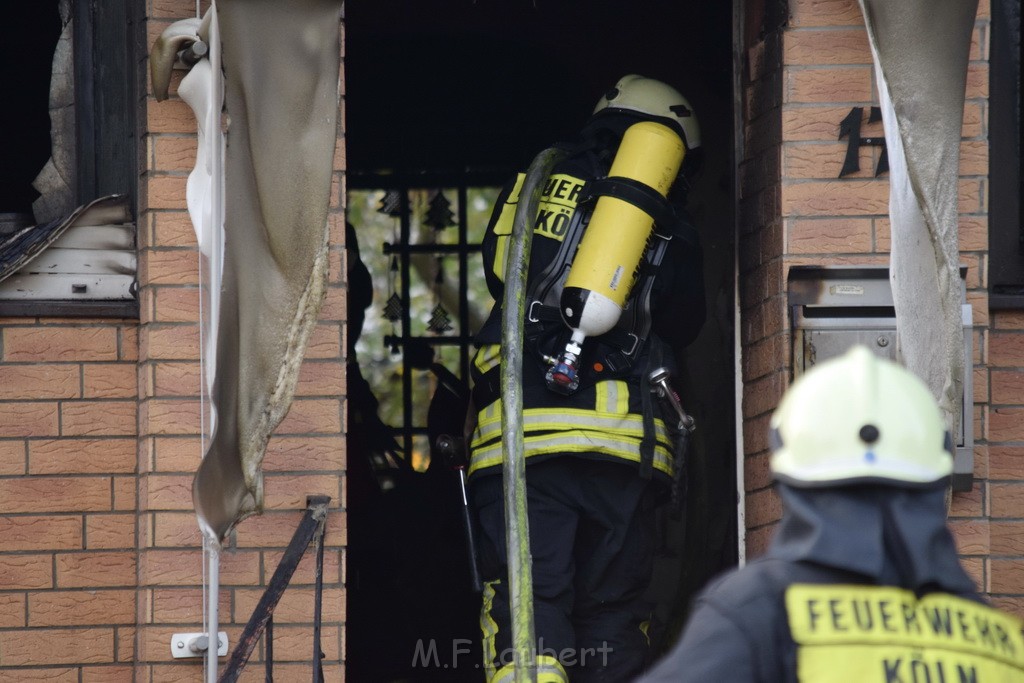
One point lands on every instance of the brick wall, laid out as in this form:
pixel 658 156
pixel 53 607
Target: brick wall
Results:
pixel 67 499
pixel 305 455
pixel 762 293
pixel 826 68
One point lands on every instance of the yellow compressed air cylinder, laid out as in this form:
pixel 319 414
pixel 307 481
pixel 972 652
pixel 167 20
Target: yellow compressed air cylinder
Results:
pixel 605 266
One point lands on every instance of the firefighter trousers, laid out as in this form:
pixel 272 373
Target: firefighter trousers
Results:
pixel 592 541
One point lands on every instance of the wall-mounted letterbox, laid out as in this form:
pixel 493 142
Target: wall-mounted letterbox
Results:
pixel 834 308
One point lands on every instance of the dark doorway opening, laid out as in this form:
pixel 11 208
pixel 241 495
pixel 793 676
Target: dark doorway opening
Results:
pixel 444 94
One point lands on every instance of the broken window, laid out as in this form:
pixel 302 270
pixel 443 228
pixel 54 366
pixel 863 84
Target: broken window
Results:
pixel 70 123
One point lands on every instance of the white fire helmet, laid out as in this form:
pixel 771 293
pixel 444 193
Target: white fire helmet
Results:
pixel 657 101
pixel 859 418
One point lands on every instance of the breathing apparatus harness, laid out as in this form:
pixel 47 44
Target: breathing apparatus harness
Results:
pixel 615 350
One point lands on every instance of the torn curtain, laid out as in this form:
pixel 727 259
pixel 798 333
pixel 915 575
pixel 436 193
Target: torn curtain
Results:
pixel 920 50
pixel 281 66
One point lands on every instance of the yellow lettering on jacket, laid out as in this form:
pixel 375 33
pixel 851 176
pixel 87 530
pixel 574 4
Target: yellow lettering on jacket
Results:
pixel 885 634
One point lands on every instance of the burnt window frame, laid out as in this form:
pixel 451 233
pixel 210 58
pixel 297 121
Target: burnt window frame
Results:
pixel 109 49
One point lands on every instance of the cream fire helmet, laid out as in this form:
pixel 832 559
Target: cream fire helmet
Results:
pixel 657 101
pixel 859 418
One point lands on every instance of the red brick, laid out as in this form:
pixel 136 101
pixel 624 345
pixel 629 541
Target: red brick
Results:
pixel 825 13
pixel 1007 538
pixel 167 492
pixel 1006 499
pixel 325 342
pixel 171 342
pixel 321 379
pixel 289 491
pixel 828 235
pixel 836 198
pixel 974 118
pixel 170 416
pixel 54 494
pixel 129 344
pixel 175 529
pixel 823 160
pixel 817 47
pixel 335 306
pixel 170 116
pixel 1006 462
pixel 81 608
pixel 306 416
pixel 296 605
pixel 1006 349
pixel 762 507
pixel 35 533
pixel 123 673
pixel 40 646
pixel 172 229
pixel 35 419
pixel 820 124
pixel 172 153
pixel 52 343
pixel 304 573
pixel 12 611
pixel 827 85
pixel 977 80
pixel 177 378
pixel 1007 387
pixel 169 267
pixel 28 382
pixel 81 456
pixel 114 531
pixel 295 642
pixel 1006 424
pixel 294 454
pixel 95 569
pixel 98 418
pixel 971 536
pixel 1006 575
pixel 12 457
pixel 973 233
pixel 185 568
pixel 49 675
pixel 125 492
pixel 177 454
pixel 967 503
pixel 177 304
pixel 26 571
pixel 184 605
pixel 109 380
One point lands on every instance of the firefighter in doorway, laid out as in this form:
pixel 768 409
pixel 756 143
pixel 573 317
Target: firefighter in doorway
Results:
pixel 861 581
pixel 598 443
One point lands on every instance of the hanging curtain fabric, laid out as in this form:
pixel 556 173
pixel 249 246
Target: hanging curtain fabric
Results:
pixel 920 50
pixel 281 63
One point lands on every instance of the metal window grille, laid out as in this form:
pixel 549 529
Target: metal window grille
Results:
pixel 456 247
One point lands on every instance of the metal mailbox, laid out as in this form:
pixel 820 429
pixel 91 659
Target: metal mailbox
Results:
pixel 833 308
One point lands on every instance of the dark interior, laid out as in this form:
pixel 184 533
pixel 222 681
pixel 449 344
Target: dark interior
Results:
pixel 479 88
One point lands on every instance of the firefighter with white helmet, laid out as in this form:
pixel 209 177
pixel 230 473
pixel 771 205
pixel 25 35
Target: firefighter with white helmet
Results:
pixel 615 286
pixel 861 578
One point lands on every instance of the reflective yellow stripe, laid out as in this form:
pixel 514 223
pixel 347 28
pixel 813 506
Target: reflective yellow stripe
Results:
pixel 574 441
pixel 562 419
pixel 488 357
pixel 870 633
pixel 549 670
pixel 612 397
pixel 489 629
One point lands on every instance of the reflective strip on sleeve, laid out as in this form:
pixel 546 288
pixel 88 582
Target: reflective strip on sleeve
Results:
pixel 489 629
pixel 487 357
